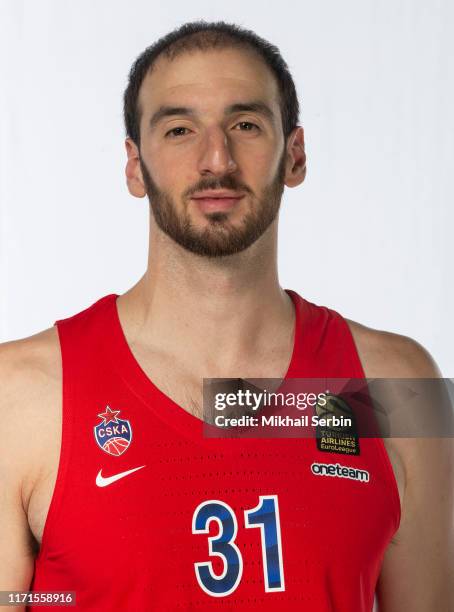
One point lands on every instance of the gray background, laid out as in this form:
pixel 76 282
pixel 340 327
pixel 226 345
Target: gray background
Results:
pixel 369 231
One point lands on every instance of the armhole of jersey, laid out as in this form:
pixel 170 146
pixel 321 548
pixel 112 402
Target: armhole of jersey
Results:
pixel 383 453
pixel 66 430
pixel 381 448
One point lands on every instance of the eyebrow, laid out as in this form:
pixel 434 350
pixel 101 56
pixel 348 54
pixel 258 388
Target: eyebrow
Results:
pixel 239 107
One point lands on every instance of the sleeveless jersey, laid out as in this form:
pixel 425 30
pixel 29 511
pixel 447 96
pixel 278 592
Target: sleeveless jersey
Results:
pixel 147 514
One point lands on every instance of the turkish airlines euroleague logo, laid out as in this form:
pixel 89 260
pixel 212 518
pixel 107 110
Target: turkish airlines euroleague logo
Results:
pixel 113 435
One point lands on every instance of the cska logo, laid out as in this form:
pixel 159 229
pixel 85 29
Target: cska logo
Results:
pixel 113 435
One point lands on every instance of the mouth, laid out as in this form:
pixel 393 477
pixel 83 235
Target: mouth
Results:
pixel 215 203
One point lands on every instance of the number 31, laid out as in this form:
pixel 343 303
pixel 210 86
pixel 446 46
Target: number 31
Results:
pixel 266 516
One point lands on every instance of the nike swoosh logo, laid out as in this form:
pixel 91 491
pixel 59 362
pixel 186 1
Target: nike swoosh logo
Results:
pixel 101 481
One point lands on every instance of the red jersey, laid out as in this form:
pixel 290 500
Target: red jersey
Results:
pixel 148 514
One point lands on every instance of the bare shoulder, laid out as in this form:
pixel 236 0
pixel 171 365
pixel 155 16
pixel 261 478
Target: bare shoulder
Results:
pixel 39 345
pixel 30 379
pixel 29 368
pixel 385 354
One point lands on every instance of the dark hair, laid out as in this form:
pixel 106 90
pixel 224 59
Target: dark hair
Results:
pixel 203 35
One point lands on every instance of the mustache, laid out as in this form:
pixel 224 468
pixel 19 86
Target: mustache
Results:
pixel 227 182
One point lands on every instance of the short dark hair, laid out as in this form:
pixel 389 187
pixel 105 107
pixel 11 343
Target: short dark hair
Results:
pixel 202 35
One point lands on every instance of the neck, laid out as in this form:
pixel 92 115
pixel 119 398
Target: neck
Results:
pixel 219 308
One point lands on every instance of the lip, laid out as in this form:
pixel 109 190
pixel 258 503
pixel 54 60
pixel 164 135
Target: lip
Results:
pixel 219 193
pixel 217 201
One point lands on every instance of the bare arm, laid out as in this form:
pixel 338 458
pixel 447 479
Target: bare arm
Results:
pixel 16 553
pixel 28 368
pixel 418 568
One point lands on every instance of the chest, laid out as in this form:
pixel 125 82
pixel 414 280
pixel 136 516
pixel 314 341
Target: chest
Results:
pixel 178 384
pixel 166 502
pixel 181 379
pixel 190 396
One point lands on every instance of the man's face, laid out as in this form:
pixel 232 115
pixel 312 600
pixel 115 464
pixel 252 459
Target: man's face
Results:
pixel 211 121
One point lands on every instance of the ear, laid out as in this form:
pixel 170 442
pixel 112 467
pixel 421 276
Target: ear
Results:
pixel 296 158
pixel 134 178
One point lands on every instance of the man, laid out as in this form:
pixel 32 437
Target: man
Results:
pixel 107 485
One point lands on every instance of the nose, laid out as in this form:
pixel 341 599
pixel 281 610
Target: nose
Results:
pixel 216 157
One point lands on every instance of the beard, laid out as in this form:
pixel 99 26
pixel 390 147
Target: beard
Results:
pixel 220 237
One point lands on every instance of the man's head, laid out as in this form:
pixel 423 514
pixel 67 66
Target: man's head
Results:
pixel 212 107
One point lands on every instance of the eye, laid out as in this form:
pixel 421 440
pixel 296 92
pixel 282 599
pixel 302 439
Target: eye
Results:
pixel 249 124
pixel 173 132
